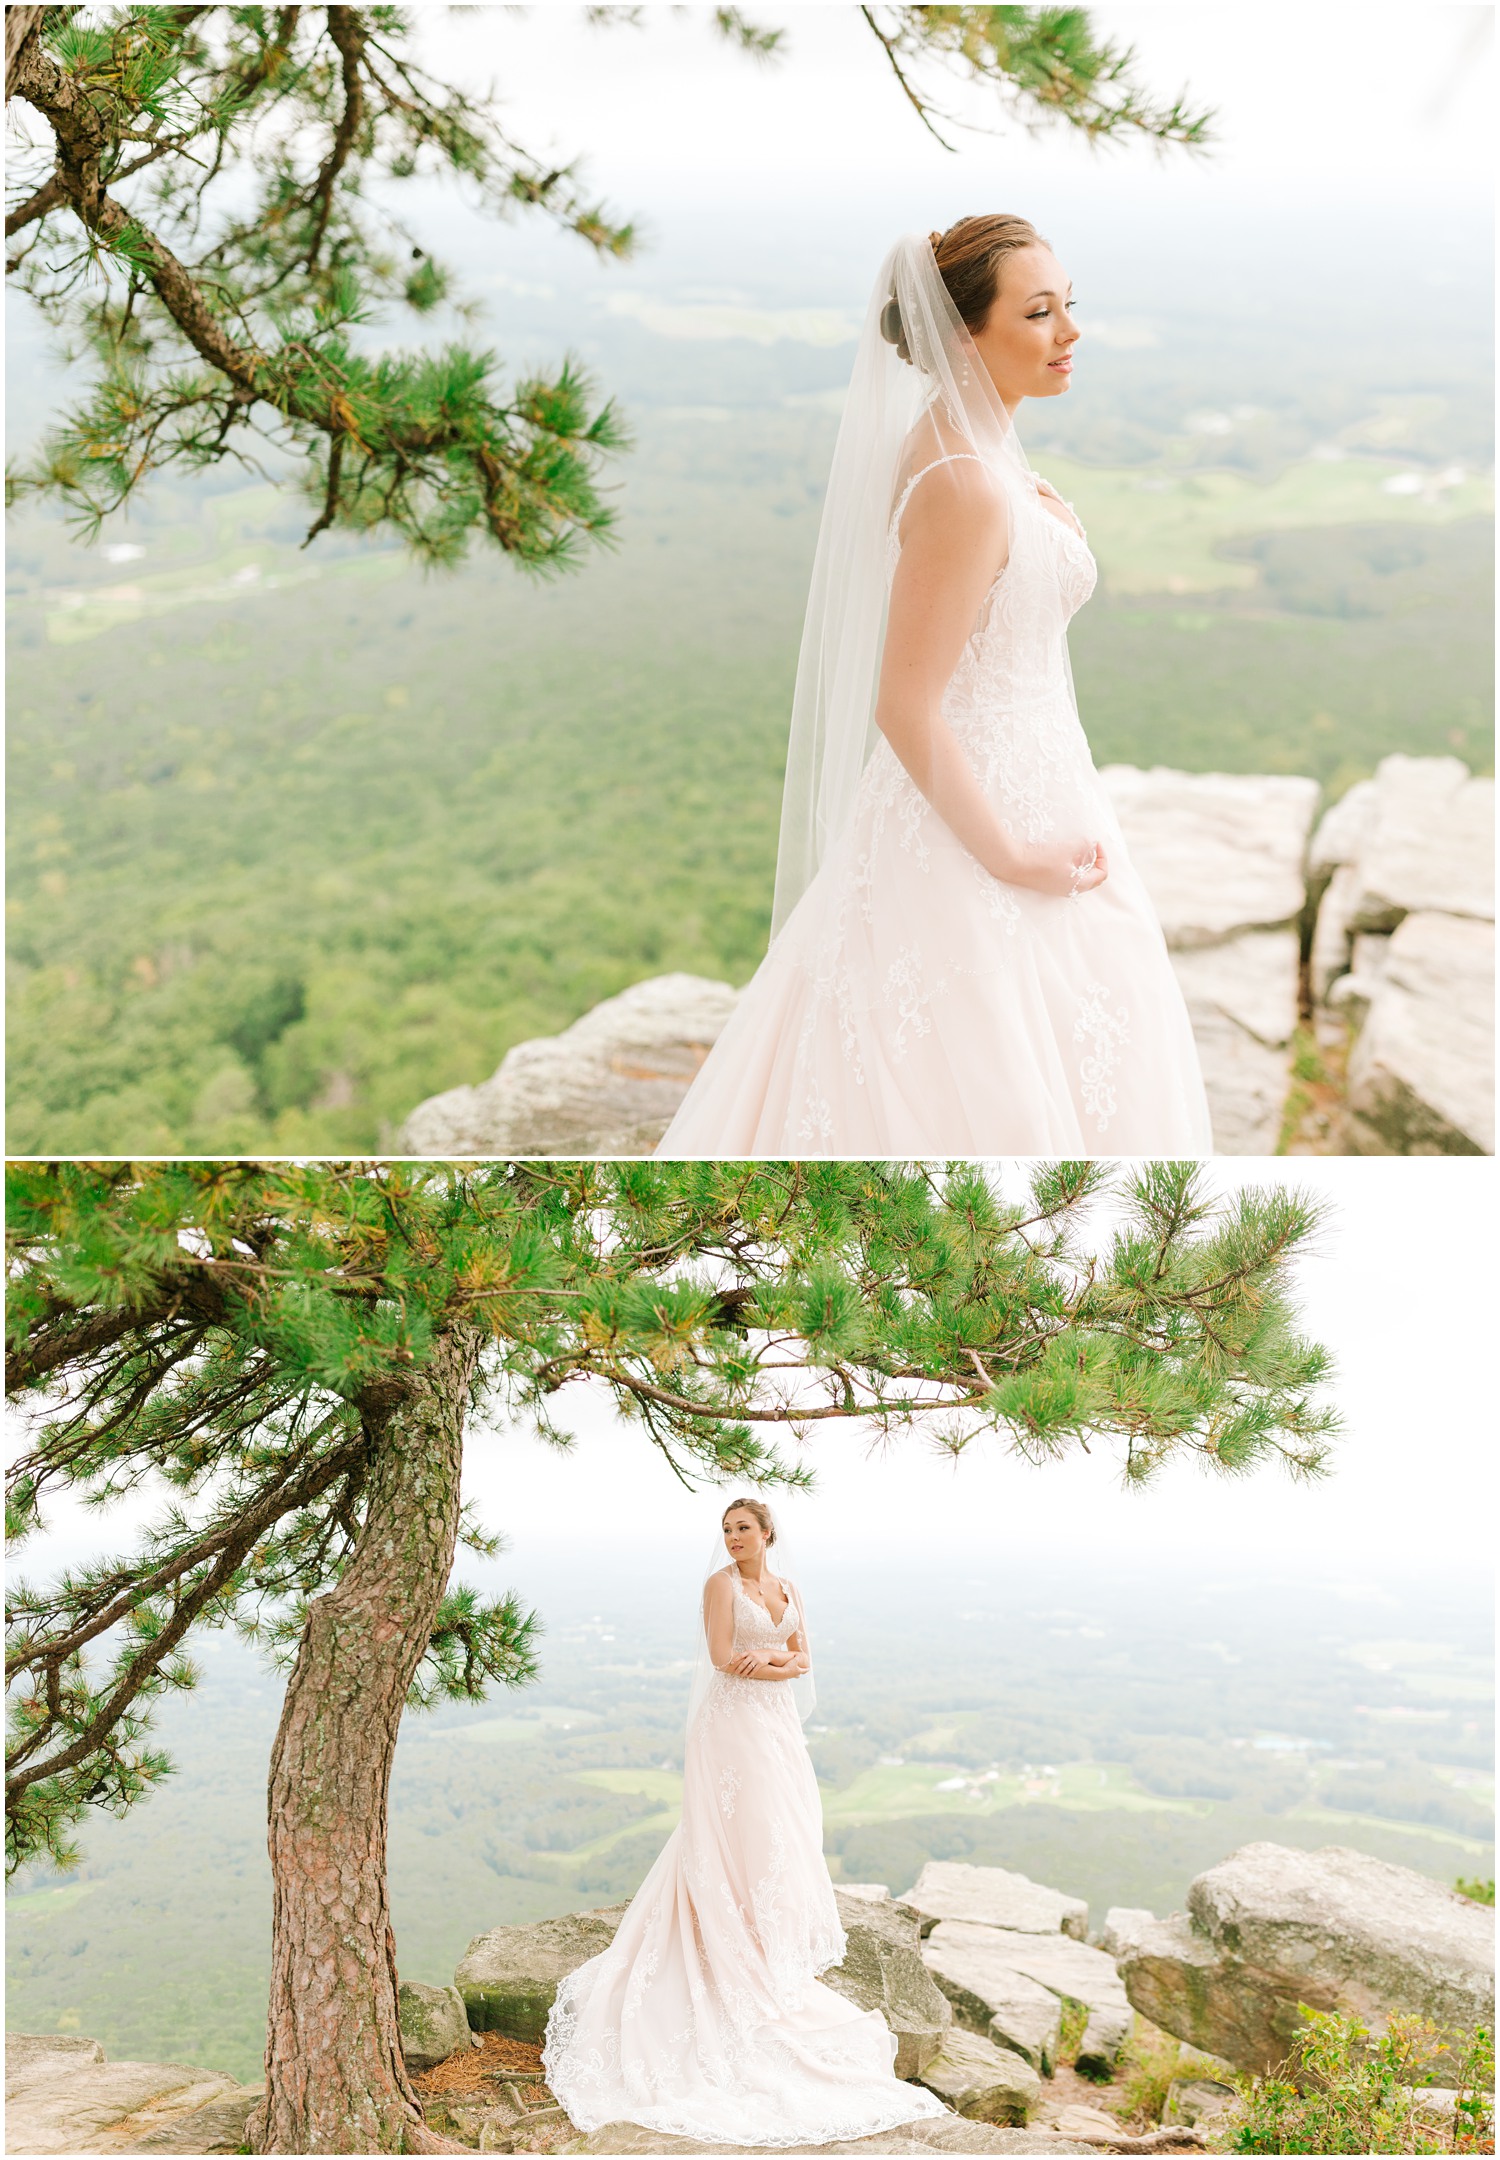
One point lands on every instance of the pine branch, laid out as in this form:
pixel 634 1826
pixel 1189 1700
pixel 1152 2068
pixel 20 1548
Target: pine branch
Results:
pixel 230 1551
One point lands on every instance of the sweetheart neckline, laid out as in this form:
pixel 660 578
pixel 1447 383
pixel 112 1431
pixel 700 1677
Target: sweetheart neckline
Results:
pixel 741 1591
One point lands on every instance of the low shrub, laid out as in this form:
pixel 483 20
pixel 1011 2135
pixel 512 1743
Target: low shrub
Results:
pixel 1343 2091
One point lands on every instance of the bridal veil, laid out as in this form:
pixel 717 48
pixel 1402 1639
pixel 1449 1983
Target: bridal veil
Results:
pixel 919 393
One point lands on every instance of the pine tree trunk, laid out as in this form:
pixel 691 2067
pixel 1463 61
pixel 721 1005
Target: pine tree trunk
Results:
pixel 335 2079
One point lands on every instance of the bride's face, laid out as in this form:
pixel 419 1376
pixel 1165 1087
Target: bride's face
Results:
pixel 744 1537
pixel 1029 334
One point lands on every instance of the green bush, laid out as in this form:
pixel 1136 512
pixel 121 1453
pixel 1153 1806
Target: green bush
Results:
pixel 1343 2092
pixel 1483 1893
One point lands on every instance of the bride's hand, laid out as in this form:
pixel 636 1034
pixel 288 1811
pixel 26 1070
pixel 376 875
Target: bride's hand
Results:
pixel 1065 869
pixel 745 1666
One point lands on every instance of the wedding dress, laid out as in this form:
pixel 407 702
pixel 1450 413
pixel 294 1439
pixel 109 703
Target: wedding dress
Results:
pixel 911 1002
pixel 704 2018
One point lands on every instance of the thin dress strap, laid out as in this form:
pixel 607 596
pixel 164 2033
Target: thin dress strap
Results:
pixel 954 457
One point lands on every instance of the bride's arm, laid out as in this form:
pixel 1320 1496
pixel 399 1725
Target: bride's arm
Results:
pixel 794 1658
pixel 718 1622
pixel 954 544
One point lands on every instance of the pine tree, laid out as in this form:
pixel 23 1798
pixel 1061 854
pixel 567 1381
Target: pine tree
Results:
pixel 216 324
pixel 294 1352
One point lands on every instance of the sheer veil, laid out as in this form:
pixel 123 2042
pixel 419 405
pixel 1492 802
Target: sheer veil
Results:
pixel 919 392
pixel 803 1692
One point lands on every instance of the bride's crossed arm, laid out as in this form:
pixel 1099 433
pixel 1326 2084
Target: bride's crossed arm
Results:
pixel 718 1619
pixel 954 544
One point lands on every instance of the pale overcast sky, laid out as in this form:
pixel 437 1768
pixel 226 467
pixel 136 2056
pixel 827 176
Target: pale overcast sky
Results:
pixel 1372 103
pixel 1402 1288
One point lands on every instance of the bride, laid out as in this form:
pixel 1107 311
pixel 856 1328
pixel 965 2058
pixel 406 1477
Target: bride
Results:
pixel 704 2017
pixel 963 959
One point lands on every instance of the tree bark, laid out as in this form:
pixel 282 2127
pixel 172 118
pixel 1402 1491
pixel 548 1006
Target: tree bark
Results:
pixel 335 2079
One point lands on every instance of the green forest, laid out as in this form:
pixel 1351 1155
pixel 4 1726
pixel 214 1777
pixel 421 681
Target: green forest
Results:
pixel 1105 1732
pixel 299 837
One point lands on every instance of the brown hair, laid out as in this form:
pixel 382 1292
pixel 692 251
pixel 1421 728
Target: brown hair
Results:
pixel 759 1510
pixel 971 259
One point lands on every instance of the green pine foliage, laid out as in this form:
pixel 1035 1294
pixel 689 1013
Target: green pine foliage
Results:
pixel 219 329
pixel 240 1331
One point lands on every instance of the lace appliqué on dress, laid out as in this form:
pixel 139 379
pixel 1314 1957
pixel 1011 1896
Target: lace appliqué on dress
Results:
pixel 1107 1032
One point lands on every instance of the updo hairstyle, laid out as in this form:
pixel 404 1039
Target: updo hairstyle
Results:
pixel 759 1510
pixel 970 257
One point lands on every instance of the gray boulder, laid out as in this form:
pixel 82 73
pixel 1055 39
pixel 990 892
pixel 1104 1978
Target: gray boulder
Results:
pixel 1272 1927
pixel 990 1996
pixel 434 2024
pixel 883 1970
pixel 994 1897
pixel 978 2079
pixel 1197 2099
pixel 1219 853
pixel 1341 829
pixel 63 2096
pixel 1122 1923
pixel 1428 846
pixel 1422 1070
pixel 608 1085
pixel 508 1978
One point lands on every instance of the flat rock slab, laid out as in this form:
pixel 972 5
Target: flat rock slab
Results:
pixel 990 1996
pixel 1065 1967
pixel 608 1085
pixel 1272 1927
pixel 1250 979
pixel 217 2128
pixel 1422 1071
pixel 994 1897
pixel 1218 852
pixel 944 2133
pixel 69 2098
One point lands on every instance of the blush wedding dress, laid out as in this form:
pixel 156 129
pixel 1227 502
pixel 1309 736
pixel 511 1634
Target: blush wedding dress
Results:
pixel 705 2017
pixel 911 1002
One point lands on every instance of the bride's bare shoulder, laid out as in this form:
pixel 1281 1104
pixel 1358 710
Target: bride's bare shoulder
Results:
pixel 717 1590
pixel 954 507
pixel 939 448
